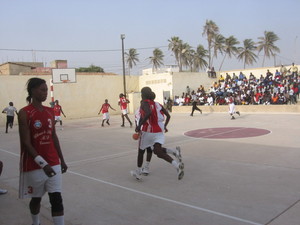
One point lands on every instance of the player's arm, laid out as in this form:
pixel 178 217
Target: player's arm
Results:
pixel 25 140
pixel 146 108
pixel 64 166
pixel 168 117
pixel 100 110
pixel 62 111
pixel 111 108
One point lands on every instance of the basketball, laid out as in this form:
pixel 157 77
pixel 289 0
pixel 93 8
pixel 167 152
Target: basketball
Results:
pixel 136 136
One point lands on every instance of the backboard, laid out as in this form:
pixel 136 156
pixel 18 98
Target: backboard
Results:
pixel 60 76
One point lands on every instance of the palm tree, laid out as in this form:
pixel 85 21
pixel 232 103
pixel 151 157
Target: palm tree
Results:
pixel 210 29
pixel 217 45
pixel 230 48
pixel 266 43
pixel 157 59
pixel 246 53
pixel 131 58
pixel 199 62
pixel 175 45
pixel 186 55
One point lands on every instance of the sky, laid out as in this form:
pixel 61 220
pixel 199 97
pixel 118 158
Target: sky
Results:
pixel 86 32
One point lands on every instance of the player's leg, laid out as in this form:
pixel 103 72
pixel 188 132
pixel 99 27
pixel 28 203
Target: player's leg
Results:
pixel 57 208
pixel 140 158
pixel 126 115
pixel 102 125
pixel 10 120
pixel 123 120
pixel 34 206
pixel 145 169
pixel 176 152
pixel 161 154
pixel 198 109
pixel 53 187
pixel 7 122
pixel 2 191
pixel 193 109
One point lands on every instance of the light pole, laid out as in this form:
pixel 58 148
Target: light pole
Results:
pixel 124 80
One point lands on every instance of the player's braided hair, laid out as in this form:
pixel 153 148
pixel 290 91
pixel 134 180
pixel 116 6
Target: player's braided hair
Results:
pixel 31 84
pixel 146 93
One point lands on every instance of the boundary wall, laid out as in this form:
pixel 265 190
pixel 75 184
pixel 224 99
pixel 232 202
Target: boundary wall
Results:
pixel 82 99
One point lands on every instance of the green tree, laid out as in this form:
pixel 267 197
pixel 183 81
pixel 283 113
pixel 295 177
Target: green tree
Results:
pixel 246 52
pixel 186 56
pixel 90 69
pixel 131 58
pixel 230 48
pixel 175 45
pixel 157 59
pixel 210 29
pixel 199 61
pixel 217 45
pixel 267 45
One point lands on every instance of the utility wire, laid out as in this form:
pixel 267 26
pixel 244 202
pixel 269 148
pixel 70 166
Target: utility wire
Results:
pixel 101 50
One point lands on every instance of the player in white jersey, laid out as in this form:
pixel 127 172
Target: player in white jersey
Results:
pixel 160 111
pixel 231 105
pixel 10 115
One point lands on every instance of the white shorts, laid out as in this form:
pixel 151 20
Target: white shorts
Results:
pixel 57 118
pixel 106 116
pixel 36 183
pixel 124 111
pixel 148 139
pixel 231 108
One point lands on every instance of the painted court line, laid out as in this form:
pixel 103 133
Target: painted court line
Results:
pixel 167 200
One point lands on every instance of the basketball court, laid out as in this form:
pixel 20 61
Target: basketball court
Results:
pixel 237 172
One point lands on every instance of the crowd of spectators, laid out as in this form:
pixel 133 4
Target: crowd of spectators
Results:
pixel 279 88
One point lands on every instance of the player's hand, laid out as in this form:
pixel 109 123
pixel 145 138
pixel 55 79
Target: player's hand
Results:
pixel 64 167
pixel 166 130
pixel 138 129
pixel 49 171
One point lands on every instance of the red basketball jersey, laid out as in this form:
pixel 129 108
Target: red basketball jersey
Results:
pixel 123 103
pixel 105 107
pixel 41 128
pixel 57 110
pixel 151 125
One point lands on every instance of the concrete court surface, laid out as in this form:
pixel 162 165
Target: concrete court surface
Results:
pixel 233 181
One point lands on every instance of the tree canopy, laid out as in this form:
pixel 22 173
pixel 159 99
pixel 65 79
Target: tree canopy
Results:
pixel 91 68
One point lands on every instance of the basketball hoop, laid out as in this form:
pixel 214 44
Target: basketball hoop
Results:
pixel 65 81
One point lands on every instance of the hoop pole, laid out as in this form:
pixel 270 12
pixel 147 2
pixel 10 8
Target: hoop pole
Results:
pixel 51 90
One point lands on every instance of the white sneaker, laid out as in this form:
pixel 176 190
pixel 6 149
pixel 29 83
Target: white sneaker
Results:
pixel 145 170
pixel 136 174
pixel 178 154
pixel 3 191
pixel 180 171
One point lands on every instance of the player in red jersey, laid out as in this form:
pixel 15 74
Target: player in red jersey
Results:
pixel 152 134
pixel 57 113
pixel 123 102
pixel 42 162
pixel 104 110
